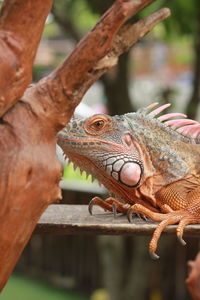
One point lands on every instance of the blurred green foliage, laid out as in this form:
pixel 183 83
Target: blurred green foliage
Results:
pixel 78 12
pixel 183 19
pixel 85 13
pixel 51 29
pixel 23 288
pixel 69 173
pixel 184 15
pixel 39 71
pixel 82 15
pixel 185 56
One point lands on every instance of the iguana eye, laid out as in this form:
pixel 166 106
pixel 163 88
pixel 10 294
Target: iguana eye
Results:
pixel 98 125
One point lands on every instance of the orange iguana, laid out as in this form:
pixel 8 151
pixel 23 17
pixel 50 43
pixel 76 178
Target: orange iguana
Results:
pixel 151 163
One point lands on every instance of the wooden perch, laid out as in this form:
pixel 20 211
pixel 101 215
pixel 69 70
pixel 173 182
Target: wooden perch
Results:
pixel 75 219
pixel 30 172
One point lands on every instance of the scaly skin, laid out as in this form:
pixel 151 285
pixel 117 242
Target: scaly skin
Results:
pixel 151 163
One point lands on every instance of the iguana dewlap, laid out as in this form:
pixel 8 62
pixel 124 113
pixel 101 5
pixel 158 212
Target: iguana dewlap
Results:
pixel 150 163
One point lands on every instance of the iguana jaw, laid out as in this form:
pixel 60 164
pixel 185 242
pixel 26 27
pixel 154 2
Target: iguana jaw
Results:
pixel 118 162
pixel 118 189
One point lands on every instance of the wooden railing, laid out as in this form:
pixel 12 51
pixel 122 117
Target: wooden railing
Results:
pixel 75 219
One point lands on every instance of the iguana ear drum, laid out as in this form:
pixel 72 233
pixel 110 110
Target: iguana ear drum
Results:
pixel 124 169
pixel 130 174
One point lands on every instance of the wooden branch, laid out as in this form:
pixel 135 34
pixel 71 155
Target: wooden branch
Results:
pixel 109 39
pixel 127 36
pixel 75 219
pixel 30 171
pixel 21 25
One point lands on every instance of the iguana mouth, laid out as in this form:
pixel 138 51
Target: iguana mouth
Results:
pixel 123 168
pixel 120 166
pixel 104 178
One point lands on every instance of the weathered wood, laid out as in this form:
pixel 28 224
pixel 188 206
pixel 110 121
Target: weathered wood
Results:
pixel 21 25
pixel 75 219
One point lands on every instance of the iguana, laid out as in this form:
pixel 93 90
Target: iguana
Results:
pixel 149 161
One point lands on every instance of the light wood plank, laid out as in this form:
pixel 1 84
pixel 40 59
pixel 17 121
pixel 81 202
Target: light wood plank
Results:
pixel 75 219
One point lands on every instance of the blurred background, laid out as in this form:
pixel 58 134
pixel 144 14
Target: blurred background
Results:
pixel 163 67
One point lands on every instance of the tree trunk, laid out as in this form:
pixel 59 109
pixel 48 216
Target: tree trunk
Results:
pixel 30 171
pixel 115 85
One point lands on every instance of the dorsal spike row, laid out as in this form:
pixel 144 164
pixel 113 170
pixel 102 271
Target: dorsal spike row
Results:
pixel 158 110
pixel 180 122
pixel 192 131
pixel 186 127
pixel 146 110
pixel 152 105
pixel 170 116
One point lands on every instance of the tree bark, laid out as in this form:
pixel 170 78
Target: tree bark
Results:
pixel 21 25
pixel 30 171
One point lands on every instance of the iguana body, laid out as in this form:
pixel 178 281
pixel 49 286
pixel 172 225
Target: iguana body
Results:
pixel 150 163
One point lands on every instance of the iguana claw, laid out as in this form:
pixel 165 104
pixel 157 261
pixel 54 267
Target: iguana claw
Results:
pixel 90 207
pixel 114 209
pixel 109 204
pixel 99 202
pixel 181 240
pixel 154 255
pixel 130 215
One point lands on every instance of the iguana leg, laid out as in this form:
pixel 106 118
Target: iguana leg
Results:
pixel 156 235
pixel 183 217
pixel 189 213
pixel 170 220
pixel 110 204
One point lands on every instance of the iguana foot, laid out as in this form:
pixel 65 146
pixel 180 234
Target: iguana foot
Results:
pixel 110 204
pixel 182 217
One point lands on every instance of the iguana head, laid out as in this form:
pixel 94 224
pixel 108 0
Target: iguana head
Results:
pixel 102 145
pixel 123 151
